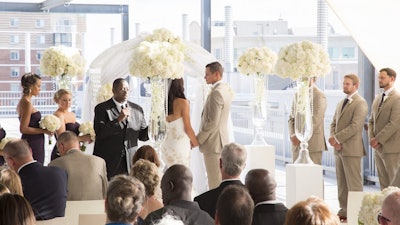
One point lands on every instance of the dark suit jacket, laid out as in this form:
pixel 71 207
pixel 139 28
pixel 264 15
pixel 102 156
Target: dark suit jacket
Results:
pixel 208 200
pixel 189 212
pixel 269 214
pixel 46 189
pixel 113 138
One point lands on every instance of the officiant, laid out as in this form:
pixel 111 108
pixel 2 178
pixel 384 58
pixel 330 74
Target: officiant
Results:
pixel 118 124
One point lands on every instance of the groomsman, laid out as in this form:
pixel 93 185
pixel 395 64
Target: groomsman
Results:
pixel 384 128
pixel 346 139
pixel 316 144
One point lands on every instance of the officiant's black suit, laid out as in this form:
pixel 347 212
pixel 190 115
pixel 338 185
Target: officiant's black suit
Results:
pixel 113 137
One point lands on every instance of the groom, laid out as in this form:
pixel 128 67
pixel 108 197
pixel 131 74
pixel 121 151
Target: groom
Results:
pixel 213 134
pixel 118 124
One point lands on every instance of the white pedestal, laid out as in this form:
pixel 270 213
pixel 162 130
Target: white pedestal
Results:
pixel 302 181
pixel 259 157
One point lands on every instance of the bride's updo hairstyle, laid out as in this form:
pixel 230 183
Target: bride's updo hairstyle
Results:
pixel 61 93
pixel 27 81
pixel 176 90
pixel 124 200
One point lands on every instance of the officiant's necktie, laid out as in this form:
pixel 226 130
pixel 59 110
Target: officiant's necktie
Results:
pixel 124 122
pixel 345 103
pixel 383 97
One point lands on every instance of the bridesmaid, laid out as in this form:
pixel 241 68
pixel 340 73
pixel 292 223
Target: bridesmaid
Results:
pixel 63 98
pixel 29 116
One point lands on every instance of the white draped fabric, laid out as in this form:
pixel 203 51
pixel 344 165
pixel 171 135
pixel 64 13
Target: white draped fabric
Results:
pixel 372 24
pixel 114 63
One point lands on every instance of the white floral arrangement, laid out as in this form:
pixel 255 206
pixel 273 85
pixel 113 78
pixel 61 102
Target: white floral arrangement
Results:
pixel 62 60
pixel 87 128
pixel 104 93
pixel 302 59
pixel 161 55
pixel 50 123
pixel 260 61
pixel 5 140
pixel 372 205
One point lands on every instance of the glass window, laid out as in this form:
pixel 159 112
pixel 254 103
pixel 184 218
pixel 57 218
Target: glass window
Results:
pixel 63 39
pixel 14 55
pixel 14 22
pixel 41 39
pixel 15 88
pixel 14 71
pixel 348 53
pixel 39 55
pixel 218 53
pixel 14 39
pixel 40 23
pixel 333 52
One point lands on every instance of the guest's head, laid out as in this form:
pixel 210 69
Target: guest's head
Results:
pixel 125 196
pixel 386 78
pixel 261 185
pixel 234 206
pixel 214 72
pixel 63 98
pixel 313 211
pixel 15 210
pixel 17 153
pixel 233 160
pixel 147 173
pixel 146 152
pixel 66 141
pixel 176 90
pixel 11 180
pixel 31 83
pixel 3 189
pixel 176 184
pixel 390 209
pixel 120 90
pixel 169 220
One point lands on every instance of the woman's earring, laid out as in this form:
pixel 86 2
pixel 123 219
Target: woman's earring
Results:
pixel 30 90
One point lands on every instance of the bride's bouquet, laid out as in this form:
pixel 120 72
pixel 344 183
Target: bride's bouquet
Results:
pixel 87 128
pixel 50 123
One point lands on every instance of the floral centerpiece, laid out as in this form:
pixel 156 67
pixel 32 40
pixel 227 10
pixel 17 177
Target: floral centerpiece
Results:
pixel 87 128
pixel 50 123
pixel 258 62
pixel 104 93
pixel 159 57
pixel 372 205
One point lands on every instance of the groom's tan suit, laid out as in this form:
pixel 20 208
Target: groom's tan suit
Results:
pixel 384 125
pixel 213 134
pixel 317 143
pixel 346 127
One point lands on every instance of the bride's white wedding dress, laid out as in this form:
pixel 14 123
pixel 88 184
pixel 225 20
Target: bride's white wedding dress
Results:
pixel 176 147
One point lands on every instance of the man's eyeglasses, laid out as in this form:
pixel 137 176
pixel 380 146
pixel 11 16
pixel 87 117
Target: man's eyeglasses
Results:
pixel 382 218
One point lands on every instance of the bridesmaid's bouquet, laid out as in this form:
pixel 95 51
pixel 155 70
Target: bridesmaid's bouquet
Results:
pixel 50 123
pixel 87 128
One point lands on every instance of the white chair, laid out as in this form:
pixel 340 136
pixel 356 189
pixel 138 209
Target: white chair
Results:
pixel 55 221
pixel 354 201
pixel 74 208
pixel 92 219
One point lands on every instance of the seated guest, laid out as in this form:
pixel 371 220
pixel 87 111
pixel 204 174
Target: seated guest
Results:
pixel 313 211
pixel 11 179
pixel 390 213
pixel 231 164
pixel 3 189
pixel 44 187
pixel 146 152
pixel 169 220
pixel 147 173
pixel 125 196
pixel 15 210
pixel 176 186
pixel 87 174
pixel 234 207
pixel 267 211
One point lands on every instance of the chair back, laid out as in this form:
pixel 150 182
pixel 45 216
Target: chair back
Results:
pixel 74 208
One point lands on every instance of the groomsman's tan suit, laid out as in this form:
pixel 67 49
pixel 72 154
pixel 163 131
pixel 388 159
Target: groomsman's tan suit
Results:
pixel 213 134
pixel 317 142
pixel 384 125
pixel 346 138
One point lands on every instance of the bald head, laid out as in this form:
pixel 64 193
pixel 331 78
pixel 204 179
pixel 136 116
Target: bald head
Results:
pixel 17 152
pixel 176 184
pixel 66 141
pixel 391 208
pixel 261 185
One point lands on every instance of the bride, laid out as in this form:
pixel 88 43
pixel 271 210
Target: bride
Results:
pixel 180 138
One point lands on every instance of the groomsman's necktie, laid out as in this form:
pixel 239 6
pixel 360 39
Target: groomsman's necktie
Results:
pixel 344 103
pixel 383 97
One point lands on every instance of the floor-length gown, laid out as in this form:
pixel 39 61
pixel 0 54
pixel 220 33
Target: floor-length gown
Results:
pixel 35 141
pixel 176 147
pixel 74 127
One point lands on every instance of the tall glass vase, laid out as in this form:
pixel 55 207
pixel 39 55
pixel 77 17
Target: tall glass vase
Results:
pixel 159 98
pixel 259 108
pixel 64 82
pixel 303 125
